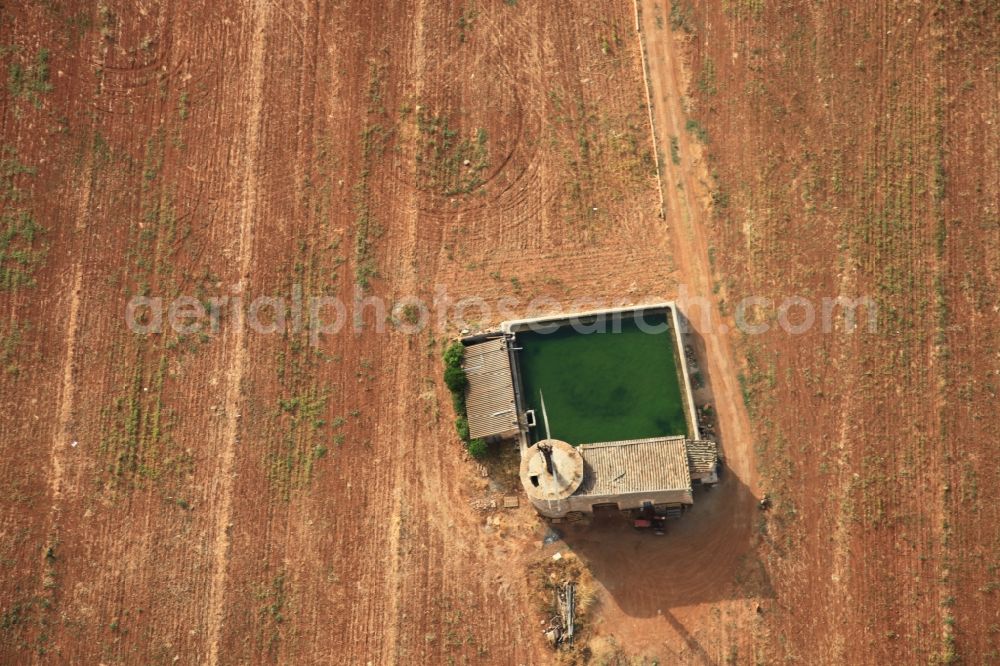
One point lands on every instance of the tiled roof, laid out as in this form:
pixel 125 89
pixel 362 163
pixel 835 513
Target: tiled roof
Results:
pixel 703 456
pixel 635 466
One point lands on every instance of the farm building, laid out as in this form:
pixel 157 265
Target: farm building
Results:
pixel 490 404
pixel 655 473
pixel 600 404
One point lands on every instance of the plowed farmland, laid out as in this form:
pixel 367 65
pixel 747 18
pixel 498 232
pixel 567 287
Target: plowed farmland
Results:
pixel 850 149
pixel 258 488
pixel 229 496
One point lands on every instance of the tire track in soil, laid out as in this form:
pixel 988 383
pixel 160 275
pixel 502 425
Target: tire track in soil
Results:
pixel 691 251
pixel 67 392
pixel 237 355
pixel 416 54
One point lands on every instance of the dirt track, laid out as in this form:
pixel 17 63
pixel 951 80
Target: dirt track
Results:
pixel 688 596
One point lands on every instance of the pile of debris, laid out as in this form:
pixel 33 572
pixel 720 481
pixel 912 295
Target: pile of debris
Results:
pixel 483 503
pixel 489 502
pixel 706 422
pixel 697 381
pixel 692 360
pixel 563 590
pixel 560 625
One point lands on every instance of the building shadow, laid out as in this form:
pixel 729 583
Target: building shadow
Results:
pixel 699 652
pixel 707 555
pixel 701 378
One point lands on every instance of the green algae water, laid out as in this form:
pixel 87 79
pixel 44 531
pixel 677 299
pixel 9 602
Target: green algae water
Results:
pixel 604 386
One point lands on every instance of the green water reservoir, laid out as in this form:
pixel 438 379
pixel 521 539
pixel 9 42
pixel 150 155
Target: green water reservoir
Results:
pixel 606 385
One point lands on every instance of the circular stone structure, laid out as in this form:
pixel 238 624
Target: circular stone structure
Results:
pixel 549 487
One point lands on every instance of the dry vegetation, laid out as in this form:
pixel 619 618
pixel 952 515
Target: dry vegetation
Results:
pixel 548 575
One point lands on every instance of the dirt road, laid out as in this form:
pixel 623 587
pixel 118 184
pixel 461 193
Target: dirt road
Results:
pixel 689 595
pixel 687 198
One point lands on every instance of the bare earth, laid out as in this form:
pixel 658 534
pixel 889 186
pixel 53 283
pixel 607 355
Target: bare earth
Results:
pixel 227 496
pixel 852 152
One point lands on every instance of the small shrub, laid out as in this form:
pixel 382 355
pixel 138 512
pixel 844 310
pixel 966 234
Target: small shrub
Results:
pixel 31 81
pixel 462 427
pixel 455 379
pixel 454 354
pixel 697 380
pixel 410 314
pixel 477 448
pixel 680 17
pixel 720 199
pixel 454 375
pixel 458 402
pixel 696 129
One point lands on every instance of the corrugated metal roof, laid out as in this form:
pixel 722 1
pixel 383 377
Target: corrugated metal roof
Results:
pixel 634 466
pixel 703 456
pixel 489 402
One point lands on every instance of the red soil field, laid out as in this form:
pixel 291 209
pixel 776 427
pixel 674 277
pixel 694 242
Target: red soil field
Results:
pixel 230 496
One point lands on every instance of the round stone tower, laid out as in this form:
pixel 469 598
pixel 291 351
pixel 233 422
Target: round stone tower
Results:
pixel 551 471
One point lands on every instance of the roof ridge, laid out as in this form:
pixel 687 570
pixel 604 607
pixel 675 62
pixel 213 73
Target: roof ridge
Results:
pixel 635 442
